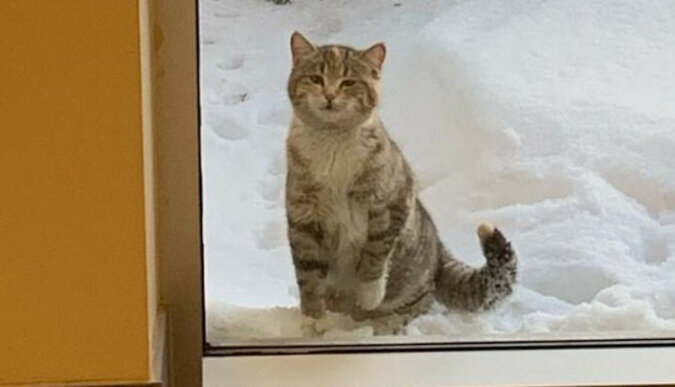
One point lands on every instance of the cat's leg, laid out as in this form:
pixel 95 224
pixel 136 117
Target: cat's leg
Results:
pixel 306 234
pixel 463 287
pixel 311 267
pixel 415 305
pixel 385 223
pixel 390 325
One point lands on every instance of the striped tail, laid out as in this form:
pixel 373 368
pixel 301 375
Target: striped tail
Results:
pixel 460 286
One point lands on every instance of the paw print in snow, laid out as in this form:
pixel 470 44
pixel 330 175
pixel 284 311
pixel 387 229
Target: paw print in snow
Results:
pixel 234 62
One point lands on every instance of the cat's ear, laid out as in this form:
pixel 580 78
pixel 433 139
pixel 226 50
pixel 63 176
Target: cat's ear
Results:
pixel 300 46
pixel 375 54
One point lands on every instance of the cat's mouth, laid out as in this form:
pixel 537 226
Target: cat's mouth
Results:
pixel 329 109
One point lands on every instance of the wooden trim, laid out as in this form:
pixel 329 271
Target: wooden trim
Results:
pixel 160 358
pixel 177 184
pixel 145 41
pixel 98 384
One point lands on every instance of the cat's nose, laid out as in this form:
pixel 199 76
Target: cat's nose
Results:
pixel 329 100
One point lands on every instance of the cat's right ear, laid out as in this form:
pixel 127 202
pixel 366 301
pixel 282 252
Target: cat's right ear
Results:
pixel 300 46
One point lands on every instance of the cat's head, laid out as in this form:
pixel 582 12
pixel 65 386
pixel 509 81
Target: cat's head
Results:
pixel 334 86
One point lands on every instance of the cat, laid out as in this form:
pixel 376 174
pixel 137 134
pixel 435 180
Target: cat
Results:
pixel 362 242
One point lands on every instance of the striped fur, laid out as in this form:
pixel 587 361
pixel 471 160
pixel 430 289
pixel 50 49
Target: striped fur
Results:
pixel 362 242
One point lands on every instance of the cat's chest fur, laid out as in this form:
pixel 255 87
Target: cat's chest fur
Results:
pixel 335 162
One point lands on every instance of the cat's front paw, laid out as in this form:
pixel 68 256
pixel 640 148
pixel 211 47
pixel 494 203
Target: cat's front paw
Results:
pixel 389 325
pixel 314 308
pixel 496 248
pixel 313 327
pixel 369 295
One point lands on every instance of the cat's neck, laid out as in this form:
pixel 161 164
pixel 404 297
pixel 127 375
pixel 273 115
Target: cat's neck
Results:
pixel 299 127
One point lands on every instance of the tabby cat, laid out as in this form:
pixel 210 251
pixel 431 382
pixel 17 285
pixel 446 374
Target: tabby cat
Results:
pixel 362 243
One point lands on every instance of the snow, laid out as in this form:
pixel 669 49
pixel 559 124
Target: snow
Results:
pixel 552 119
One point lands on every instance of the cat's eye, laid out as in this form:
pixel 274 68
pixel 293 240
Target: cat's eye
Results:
pixel 348 83
pixel 316 79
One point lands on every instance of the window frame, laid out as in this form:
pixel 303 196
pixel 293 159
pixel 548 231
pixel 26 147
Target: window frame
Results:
pixel 615 366
pixel 178 187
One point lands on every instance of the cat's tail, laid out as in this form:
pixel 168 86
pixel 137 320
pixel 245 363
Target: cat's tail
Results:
pixel 459 286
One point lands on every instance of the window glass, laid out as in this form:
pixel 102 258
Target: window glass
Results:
pixel 437 171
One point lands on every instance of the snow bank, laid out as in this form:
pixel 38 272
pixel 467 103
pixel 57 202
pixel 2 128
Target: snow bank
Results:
pixel 553 119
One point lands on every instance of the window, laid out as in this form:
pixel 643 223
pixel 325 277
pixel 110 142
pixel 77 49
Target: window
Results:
pixel 547 120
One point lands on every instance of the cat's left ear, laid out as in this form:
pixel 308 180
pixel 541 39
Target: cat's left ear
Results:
pixel 300 46
pixel 375 54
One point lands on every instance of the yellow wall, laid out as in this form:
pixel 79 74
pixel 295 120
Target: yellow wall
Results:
pixel 73 289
